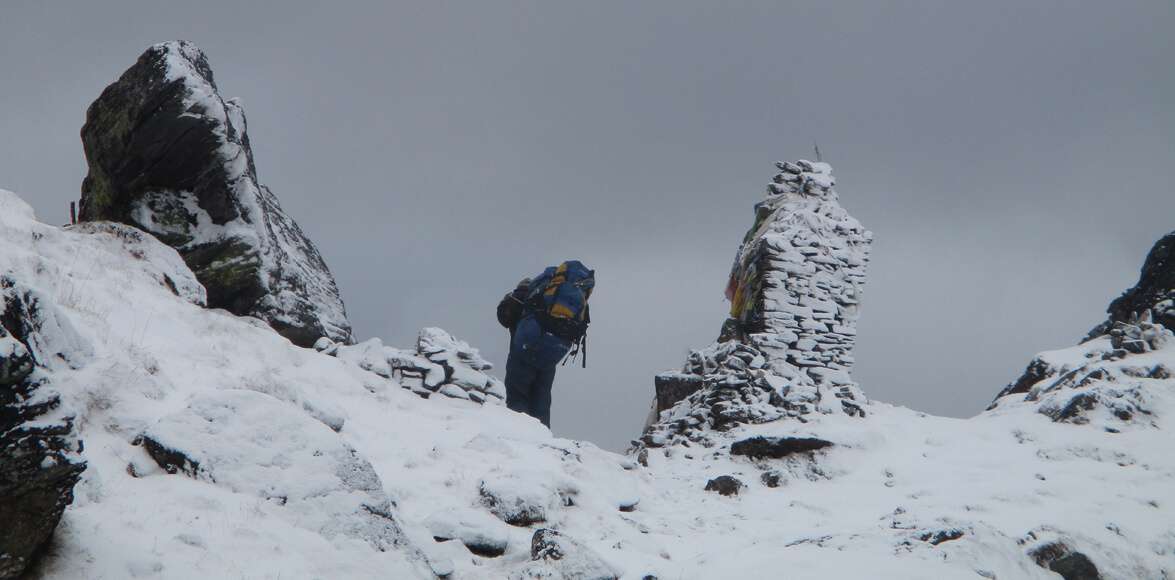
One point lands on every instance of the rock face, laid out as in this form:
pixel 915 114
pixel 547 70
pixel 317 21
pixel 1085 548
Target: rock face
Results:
pixel 39 463
pixel 786 349
pixel 168 155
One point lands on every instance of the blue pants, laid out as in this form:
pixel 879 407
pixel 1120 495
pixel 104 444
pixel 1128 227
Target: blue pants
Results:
pixel 528 388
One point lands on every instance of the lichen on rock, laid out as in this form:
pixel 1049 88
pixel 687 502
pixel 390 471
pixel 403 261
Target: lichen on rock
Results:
pixel 169 155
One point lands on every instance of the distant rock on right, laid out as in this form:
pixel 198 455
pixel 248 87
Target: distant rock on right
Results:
pixel 1154 292
pixel 1111 379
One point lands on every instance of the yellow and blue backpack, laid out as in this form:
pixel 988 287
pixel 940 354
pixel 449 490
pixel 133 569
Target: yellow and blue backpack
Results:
pixel 557 315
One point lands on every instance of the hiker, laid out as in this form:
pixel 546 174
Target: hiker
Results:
pixel 548 318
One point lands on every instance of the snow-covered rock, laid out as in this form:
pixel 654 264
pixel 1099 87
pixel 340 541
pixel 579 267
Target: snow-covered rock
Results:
pixel 39 459
pixel 168 155
pixel 439 364
pixel 786 350
pixel 557 557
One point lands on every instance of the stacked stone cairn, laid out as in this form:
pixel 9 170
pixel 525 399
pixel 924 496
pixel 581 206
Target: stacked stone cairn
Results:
pixel 439 363
pixel 787 348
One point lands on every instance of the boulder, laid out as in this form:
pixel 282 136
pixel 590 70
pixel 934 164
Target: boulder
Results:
pixel 168 155
pixel 725 485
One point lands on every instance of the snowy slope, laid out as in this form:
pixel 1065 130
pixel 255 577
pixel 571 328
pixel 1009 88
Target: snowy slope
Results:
pixel 899 494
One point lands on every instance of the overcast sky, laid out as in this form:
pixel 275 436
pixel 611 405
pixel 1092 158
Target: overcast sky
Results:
pixel 1015 161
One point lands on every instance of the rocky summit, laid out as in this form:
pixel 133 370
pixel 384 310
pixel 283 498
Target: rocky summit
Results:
pixel 169 155
pixel 1154 294
pixel 786 348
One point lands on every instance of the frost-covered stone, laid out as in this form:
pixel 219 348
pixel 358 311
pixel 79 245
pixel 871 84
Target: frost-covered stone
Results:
pixel 725 485
pixel 518 500
pixel 39 455
pixel 168 155
pixel 254 444
pixel 440 363
pixel 479 531
pixel 556 556
pixel 786 350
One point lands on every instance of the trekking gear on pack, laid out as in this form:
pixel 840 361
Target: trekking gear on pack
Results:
pixel 557 317
pixel 513 305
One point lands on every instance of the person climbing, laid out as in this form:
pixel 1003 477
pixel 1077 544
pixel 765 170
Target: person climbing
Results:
pixel 547 317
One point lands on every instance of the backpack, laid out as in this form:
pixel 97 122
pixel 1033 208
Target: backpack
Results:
pixel 557 316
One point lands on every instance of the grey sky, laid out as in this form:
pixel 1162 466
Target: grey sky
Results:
pixel 1014 160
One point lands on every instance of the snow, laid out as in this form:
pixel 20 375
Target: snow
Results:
pixel 255 411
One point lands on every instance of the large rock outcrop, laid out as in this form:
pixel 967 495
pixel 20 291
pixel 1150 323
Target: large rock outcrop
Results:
pixel 39 463
pixel 786 349
pixel 168 155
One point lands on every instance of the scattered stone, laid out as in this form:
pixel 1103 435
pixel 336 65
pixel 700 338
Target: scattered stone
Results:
pixel 440 363
pixel 936 537
pixel 772 478
pixel 725 485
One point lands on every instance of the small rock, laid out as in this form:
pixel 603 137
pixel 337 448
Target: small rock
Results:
pixel 776 447
pixel 725 485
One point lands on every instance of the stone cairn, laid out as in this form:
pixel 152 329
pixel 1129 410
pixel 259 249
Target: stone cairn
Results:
pixel 440 364
pixel 786 349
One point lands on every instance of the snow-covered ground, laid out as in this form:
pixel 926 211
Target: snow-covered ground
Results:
pixel 284 436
